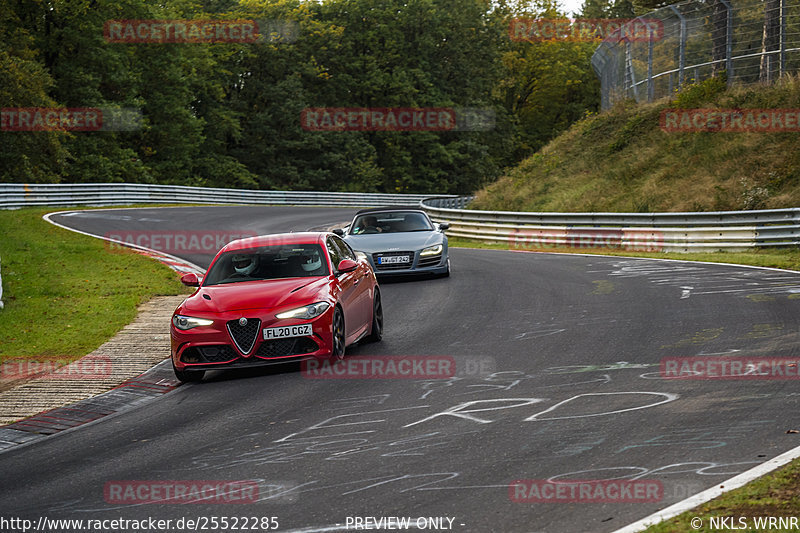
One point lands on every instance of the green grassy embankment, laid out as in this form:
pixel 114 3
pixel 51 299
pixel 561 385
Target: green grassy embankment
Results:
pixel 622 161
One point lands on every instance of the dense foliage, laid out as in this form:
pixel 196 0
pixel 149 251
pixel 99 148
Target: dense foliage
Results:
pixel 228 114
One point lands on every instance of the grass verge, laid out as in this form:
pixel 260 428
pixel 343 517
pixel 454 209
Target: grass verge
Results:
pixel 66 293
pixel 775 495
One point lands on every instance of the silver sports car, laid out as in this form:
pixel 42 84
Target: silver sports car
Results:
pixel 399 241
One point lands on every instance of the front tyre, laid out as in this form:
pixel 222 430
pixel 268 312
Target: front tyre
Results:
pixel 338 338
pixel 376 334
pixel 447 273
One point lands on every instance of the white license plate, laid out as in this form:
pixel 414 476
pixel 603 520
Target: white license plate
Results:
pixel 393 259
pixel 300 330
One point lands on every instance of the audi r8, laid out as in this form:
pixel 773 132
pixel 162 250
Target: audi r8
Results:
pixel 275 299
pixel 399 241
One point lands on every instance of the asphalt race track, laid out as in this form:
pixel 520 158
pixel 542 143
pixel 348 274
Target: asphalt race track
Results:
pixel 558 360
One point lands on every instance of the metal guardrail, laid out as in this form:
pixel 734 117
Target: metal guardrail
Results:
pixel 653 232
pixel 16 195
pixel 667 232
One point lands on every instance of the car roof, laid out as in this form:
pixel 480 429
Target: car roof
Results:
pixel 303 237
pixel 390 208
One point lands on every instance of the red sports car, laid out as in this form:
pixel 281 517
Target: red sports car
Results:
pixel 275 299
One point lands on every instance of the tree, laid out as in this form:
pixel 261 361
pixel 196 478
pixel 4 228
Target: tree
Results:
pixel 24 82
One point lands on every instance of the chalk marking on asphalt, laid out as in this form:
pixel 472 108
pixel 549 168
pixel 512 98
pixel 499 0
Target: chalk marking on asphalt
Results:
pixel 668 397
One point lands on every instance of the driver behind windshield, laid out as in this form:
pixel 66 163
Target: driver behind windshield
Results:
pixel 368 224
pixel 244 264
pixel 311 262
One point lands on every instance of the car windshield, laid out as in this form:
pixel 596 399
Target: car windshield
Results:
pixel 390 222
pixel 269 262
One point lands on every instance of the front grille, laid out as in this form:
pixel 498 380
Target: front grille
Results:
pixel 392 266
pixel 285 347
pixel 429 260
pixel 244 336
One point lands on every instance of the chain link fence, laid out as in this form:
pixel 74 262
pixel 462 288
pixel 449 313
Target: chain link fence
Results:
pixel 750 40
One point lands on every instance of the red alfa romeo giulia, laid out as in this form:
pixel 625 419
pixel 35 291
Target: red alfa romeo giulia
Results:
pixel 275 299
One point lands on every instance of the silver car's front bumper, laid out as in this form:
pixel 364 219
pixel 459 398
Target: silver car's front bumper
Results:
pixel 419 265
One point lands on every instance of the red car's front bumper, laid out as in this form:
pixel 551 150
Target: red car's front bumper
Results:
pixel 213 346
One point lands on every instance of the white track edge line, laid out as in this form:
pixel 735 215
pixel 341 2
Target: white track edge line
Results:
pixel 709 494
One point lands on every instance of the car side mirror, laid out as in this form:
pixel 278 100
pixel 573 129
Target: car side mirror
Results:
pixel 346 265
pixel 339 232
pixel 190 280
pixel 444 225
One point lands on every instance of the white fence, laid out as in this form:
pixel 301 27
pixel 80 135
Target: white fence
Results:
pixel 650 232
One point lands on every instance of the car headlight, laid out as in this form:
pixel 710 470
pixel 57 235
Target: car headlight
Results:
pixel 361 255
pixel 188 322
pixel 307 311
pixel 432 250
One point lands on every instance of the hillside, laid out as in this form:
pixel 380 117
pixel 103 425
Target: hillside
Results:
pixel 622 161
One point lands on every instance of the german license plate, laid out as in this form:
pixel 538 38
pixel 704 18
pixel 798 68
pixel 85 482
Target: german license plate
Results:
pixel 393 259
pixel 301 330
